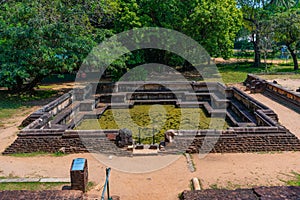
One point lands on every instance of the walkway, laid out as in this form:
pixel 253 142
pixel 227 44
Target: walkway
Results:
pixel 287 117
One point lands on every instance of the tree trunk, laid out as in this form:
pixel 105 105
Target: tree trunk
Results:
pixel 257 54
pixel 28 87
pixel 294 56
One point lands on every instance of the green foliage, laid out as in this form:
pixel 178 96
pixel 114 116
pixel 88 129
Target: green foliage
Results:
pixel 33 154
pixel 90 185
pixel 197 19
pixel 214 25
pixel 257 17
pixel 214 186
pixel 287 30
pixel 39 38
pixel 284 3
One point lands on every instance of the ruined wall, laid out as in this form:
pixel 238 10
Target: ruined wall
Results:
pixel 74 141
pixel 239 141
pixel 45 141
pixel 228 141
pixel 274 89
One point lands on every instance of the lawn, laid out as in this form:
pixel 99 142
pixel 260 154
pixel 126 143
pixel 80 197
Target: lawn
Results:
pixel 36 186
pixel 33 154
pixel 32 186
pixel 237 72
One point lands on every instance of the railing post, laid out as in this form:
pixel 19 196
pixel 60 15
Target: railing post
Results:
pixel 107 176
pixel 153 137
pixel 106 184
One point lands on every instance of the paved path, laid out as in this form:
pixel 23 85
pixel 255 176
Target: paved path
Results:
pixel 287 117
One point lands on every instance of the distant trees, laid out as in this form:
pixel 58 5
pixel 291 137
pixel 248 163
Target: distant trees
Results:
pixel 39 37
pixel 287 30
pixel 271 20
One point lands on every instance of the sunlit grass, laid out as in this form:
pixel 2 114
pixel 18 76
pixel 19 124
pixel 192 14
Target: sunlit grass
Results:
pixel 31 186
pixel 11 104
pixel 295 181
pixel 237 72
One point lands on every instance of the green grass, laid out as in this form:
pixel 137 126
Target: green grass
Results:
pixel 90 185
pixel 214 186
pixel 33 154
pixel 36 186
pixel 237 72
pixel 28 154
pixel 31 186
pixel 295 181
pixel 11 104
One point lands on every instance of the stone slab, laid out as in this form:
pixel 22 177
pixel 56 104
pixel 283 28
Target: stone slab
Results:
pixel 19 180
pixel 55 180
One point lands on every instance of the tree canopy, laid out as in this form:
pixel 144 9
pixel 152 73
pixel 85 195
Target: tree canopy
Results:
pixel 39 38
pixel 257 17
pixel 287 30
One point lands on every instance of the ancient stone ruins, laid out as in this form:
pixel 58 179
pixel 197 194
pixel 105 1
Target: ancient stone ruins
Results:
pixel 253 126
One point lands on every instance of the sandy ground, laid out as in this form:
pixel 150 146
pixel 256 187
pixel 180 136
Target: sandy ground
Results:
pixel 235 60
pixel 215 170
pixel 8 133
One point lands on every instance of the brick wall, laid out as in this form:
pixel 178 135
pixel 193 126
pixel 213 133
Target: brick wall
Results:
pixel 73 141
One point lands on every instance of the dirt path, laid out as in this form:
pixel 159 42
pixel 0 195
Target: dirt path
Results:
pixel 8 132
pixel 215 170
pixel 246 170
pixel 236 60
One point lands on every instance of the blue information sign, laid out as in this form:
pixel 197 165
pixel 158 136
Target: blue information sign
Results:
pixel 78 164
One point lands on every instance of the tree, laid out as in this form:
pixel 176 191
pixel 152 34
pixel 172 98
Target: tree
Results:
pixel 255 13
pixel 197 19
pixel 214 24
pixel 287 30
pixel 144 13
pixel 284 3
pixel 39 38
